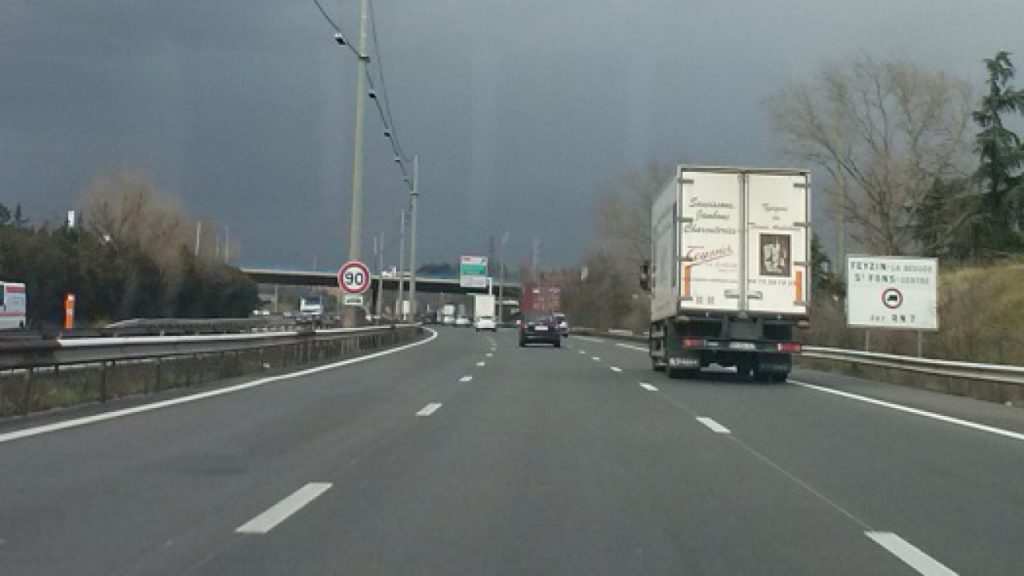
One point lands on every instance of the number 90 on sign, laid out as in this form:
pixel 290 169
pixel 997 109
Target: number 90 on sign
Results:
pixel 354 277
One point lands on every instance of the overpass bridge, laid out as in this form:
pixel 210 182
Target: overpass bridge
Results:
pixel 424 284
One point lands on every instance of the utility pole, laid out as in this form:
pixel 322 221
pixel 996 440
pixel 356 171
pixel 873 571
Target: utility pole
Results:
pixel 412 242
pixel 399 312
pixel 199 235
pixel 536 256
pixel 349 314
pixel 501 272
pixel 356 225
pixel 378 247
pixel 227 243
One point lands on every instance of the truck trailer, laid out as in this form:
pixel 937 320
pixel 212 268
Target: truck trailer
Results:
pixel 730 268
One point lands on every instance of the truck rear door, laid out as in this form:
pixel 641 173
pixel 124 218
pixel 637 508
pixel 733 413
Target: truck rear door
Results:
pixel 710 240
pixel 777 243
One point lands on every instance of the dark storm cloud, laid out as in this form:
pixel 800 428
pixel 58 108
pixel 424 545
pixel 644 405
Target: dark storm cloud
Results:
pixel 521 111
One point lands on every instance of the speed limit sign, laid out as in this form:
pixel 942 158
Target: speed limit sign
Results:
pixel 354 277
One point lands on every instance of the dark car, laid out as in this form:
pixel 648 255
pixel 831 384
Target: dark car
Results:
pixel 539 327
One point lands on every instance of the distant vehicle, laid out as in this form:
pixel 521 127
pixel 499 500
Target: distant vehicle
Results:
pixel 540 298
pixel 539 327
pixel 483 305
pixel 13 305
pixel 448 320
pixel 462 321
pixel 311 306
pixel 563 323
pixel 485 323
pixel 730 274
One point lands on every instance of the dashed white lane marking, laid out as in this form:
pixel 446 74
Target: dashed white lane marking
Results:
pixel 589 339
pixel 915 411
pixel 648 387
pixel 280 512
pixel 465 378
pixel 910 554
pixel 714 426
pixel 632 347
pixel 481 363
pixel 429 409
pixel 489 354
pixel 616 369
pixel 596 358
pixel 584 352
pixel 28 432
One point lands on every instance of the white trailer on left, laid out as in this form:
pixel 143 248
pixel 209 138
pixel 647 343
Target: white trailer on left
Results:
pixel 13 306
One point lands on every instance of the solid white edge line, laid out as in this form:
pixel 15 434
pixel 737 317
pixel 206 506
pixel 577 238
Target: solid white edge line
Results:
pixel 429 409
pixel 910 554
pixel 76 422
pixel 466 378
pixel 648 387
pixel 915 411
pixel 615 369
pixel 632 347
pixel 280 512
pixel 589 339
pixel 714 426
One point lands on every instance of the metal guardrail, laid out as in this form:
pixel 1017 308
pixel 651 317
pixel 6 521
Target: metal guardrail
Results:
pixel 29 354
pixel 1003 373
pixel 949 368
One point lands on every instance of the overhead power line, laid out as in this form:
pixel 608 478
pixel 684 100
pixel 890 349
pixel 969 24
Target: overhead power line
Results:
pixel 379 95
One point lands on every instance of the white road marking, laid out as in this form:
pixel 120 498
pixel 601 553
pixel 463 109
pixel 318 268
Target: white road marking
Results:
pixel 596 358
pixel 589 339
pixel 584 352
pixel 632 347
pixel 910 554
pixel 489 354
pixel 648 387
pixel 76 422
pixel 616 369
pixel 915 411
pixel 714 426
pixel 481 363
pixel 465 379
pixel 280 512
pixel 429 409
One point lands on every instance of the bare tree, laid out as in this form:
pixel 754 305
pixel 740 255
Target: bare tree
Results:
pixel 887 133
pixel 127 211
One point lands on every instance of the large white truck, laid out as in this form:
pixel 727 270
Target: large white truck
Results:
pixel 483 305
pixel 730 270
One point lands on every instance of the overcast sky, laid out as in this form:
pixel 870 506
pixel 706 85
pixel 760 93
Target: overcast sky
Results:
pixel 522 111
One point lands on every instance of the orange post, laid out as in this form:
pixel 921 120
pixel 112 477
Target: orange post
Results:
pixel 799 284
pixel 686 281
pixel 69 311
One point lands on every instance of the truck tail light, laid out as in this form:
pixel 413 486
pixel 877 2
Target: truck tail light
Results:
pixel 789 347
pixel 693 343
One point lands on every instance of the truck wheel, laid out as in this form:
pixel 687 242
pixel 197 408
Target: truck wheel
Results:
pixel 558 343
pixel 522 343
pixel 657 366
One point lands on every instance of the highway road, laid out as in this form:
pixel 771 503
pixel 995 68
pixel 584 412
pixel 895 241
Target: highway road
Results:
pixel 468 455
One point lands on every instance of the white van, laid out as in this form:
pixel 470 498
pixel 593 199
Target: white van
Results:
pixel 12 306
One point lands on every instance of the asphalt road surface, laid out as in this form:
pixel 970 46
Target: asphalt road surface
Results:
pixel 468 455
